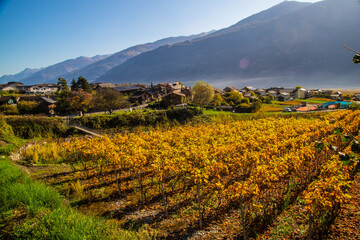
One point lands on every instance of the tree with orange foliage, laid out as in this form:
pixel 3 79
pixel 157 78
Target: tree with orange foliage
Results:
pixel 79 101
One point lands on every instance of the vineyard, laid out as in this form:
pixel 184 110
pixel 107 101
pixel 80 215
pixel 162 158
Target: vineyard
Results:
pixel 230 180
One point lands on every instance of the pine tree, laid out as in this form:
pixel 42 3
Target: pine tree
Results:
pixel 62 84
pixel 83 84
pixel 74 85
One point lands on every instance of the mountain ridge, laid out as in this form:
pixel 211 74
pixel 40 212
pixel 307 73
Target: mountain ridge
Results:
pixel 18 76
pixel 92 71
pixel 301 47
pixel 54 71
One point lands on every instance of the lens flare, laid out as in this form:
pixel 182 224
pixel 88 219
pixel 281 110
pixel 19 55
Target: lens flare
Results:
pixel 244 63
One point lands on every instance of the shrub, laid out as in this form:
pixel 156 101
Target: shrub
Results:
pixel 6 130
pixel 245 100
pixel 354 106
pixel 247 108
pixel 29 126
pixel 28 107
pixel 44 153
pixel 9 110
pixel 134 119
pixel 183 114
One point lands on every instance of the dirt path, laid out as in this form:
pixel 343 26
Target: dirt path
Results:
pixel 16 158
pixel 86 130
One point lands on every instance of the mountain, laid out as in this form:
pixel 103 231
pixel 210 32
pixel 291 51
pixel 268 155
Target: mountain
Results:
pixel 275 12
pixel 51 73
pixel 17 77
pixel 92 71
pixel 290 44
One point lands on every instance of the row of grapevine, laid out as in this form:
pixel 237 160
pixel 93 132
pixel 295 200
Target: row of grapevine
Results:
pixel 256 166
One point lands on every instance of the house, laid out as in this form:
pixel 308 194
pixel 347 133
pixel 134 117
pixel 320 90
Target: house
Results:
pixel 272 93
pixel 249 88
pixel 187 93
pixel 299 93
pixel 307 108
pixel 176 86
pixel 155 93
pixel 336 104
pixel 39 89
pixel 164 88
pixel 261 92
pixel 173 98
pixel 11 86
pixel 141 96
pixel 219 91
pixel 49 103
pixel 104 85
pixel 8 88
pixel 247 95
pixel 253 98
pixel 128 89
pixel 8 100
pixel 326 93
pixel 336 96
pixel 284 96
pixel 46 104
pixel 356 96
pixel 230 89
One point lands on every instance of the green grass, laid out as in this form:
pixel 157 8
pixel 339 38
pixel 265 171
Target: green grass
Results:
pixel 315 101
pixel 44 215
pixel 69 224
pixel 217 113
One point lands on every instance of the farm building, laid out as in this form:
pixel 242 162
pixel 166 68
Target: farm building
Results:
pixel 339 104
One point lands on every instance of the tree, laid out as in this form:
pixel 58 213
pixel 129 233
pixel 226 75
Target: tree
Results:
pixel 356 58
pixel 218 100
pixel 203 93
pixel 63 93
pixel 245 100
pixel 73 85
pixel 110 100
pixel 298 87
pixel 268 99
pixel 234 96
pixel 79 101
pixel 83 84
pixel 252 93
pixel 62 84
pixel 28 107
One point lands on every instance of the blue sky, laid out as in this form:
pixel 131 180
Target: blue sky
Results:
pixel 39 33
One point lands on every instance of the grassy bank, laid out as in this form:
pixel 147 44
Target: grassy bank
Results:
pixel 31 210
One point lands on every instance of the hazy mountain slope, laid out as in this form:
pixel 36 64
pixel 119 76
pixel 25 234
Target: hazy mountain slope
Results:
pixel 93 71
pixel 18 76
pixel 301 47
pixel 51 73
pixel 272 13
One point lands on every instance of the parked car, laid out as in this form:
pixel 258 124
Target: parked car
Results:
pixel 287 109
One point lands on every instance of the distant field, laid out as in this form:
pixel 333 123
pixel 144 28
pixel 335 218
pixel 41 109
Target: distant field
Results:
pixel 348 91
pixel 271 108
pixel 299 101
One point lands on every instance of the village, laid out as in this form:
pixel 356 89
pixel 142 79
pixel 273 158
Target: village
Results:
pixel 165 95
